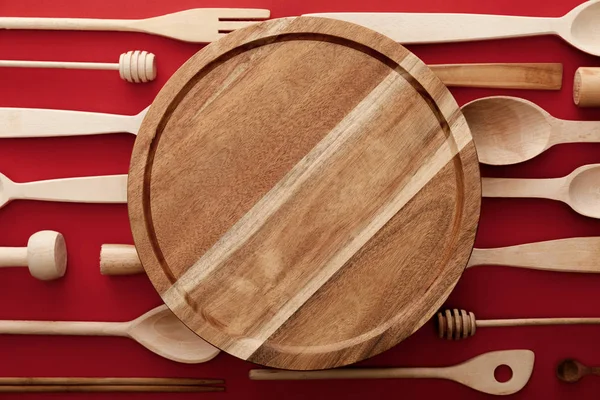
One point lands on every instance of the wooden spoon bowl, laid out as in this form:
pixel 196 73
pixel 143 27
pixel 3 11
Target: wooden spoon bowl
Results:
pixel 584 191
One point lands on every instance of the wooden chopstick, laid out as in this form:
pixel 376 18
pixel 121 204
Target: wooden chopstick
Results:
pixel 107 388
pixel 110 381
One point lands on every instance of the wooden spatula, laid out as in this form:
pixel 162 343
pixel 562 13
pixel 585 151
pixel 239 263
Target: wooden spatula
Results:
pixel 476 373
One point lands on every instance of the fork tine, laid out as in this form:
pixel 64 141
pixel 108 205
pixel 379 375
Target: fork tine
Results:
pixel 243 13
pixel 234 25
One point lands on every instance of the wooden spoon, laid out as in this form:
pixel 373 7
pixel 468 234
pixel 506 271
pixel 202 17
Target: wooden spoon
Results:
pixel 580 189
pixel 509 130
pixel 159 330
pixel 91 189
pixel 571 370
pixel 476 373
pixel 579 27
pixel 37 122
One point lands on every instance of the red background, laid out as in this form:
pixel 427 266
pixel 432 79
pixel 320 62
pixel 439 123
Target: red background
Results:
pixel 83 294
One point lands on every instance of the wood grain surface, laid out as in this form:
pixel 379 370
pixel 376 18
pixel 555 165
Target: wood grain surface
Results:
pixel 304 193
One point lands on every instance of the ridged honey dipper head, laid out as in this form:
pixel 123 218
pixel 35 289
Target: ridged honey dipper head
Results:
pixel 137 66
pixel 456 324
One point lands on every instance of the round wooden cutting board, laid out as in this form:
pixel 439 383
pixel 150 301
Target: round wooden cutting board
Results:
pixel 304 193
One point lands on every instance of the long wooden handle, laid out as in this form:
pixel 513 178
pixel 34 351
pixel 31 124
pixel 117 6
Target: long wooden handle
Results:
pixel 106 388
pixel 538 76
pixel 64 381
pixel 34 122
pixel 94 189
pixel 536 322
pixel 523 188
pixel 70 328
pixel 13 257
pixel 349 373
pixel 78 24
pixel 119 259
pixel 412 28
pixel 58 64
pixel 565 255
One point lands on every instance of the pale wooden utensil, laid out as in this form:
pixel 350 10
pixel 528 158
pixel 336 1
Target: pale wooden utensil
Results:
pixel 159 330
pixel 133 66
pixel 581 254
pixel 571 371
pixel 538 76
pixel 197 25
pixel 108 388
pixel 586 87
pixel 45 255
pixel 564 255
pixel 459 324
pixel 510 130
pixel 37 122
pixel 476 373
pixel 60 384
pixel 580 189
pixel 91 189
pixel 579 27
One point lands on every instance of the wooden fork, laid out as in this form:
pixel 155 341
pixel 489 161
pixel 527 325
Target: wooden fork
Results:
pixel 198 25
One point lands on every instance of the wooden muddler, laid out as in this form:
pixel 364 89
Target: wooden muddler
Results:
pixel 586 88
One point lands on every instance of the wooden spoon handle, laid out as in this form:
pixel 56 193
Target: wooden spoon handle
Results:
pixel 565 255
pixel 108 381
pixel 71 328
pixel 94 189
pixel 523 188
pixel 348 373
pixel 33 122
pixel 540 76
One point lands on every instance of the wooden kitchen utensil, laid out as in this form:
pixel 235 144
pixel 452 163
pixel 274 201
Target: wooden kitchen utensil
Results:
pixel 37 122
pixel 134 66
pixel 45 255
pixel 510 130
pixel 38 385
pixel 91 189
pixel 196 25
pixel 459 324
pixel 565 255
pixel 579 27
pixel 158 330
pixel 476 373
pixel 277 200
pixel 586 87
pixel 571 371
pixel 580 189
pixel 532 76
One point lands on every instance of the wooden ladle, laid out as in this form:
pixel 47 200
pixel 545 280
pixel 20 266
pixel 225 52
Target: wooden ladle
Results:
pixel 510 130
pixel 476 373
pixel 159 330
pixel 571 371
pixel 580 189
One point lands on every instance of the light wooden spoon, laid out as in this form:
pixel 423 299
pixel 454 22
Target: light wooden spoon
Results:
pixel 579 27
pixel 510 130
pixel 476 373
pixel 580 189
pixel 159 330
pixel 92 189
pixel 37 122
